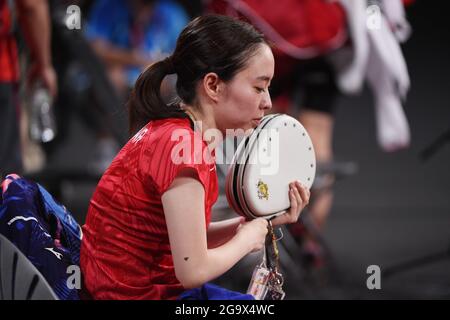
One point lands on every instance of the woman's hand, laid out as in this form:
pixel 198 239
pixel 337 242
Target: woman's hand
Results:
pixel 299 198
pixel 254 232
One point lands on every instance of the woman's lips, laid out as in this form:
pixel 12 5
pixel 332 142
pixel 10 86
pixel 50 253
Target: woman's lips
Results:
pixel 258 120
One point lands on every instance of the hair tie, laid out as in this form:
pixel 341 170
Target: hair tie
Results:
pixel 168 63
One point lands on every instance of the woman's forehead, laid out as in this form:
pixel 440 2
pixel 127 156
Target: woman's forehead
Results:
pixel 260 67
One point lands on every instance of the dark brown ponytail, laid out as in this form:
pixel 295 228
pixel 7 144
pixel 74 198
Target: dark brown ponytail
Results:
pixel 145 102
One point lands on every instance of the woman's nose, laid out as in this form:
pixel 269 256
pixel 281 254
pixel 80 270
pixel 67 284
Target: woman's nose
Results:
pixel 266 103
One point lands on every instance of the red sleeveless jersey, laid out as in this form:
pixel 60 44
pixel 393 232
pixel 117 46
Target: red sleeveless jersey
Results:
pixel 125 252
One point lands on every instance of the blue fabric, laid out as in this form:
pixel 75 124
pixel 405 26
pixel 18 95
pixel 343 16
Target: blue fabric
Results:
pixel 43 230
pixel 211 291
pixel 72 230
pixel 110 20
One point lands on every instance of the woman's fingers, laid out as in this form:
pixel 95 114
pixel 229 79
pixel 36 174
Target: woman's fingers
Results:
pixel 301 195
pixel 299 198
pixel 304 193
pixel 295 200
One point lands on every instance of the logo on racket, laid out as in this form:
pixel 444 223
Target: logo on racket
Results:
pixel 263 190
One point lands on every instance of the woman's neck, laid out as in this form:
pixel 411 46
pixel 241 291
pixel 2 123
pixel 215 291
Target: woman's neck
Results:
pixel 202 120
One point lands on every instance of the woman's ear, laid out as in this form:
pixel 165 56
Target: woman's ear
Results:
pixel 212 85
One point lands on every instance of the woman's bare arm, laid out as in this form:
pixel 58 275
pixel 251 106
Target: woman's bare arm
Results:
pixel 222 231
pixel 184 211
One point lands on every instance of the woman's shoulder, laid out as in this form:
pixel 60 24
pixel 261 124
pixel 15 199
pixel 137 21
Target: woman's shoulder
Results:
pixel 170 127
pixel 166 134
pixel 170 122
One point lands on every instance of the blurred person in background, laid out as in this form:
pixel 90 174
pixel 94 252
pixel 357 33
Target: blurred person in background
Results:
pixel 32 16
pixel 99 64
pixel 128 36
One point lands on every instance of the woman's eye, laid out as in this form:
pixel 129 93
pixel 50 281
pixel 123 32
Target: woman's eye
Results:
pixel 260 90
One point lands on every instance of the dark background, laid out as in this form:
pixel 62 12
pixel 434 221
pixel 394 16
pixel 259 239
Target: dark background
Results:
pixel 397 208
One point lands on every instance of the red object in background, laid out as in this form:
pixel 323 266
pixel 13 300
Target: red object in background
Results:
pixel 314 25
pixel 408 2
pixel 9 64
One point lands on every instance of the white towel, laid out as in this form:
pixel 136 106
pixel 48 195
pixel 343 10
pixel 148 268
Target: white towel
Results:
pixel 377 58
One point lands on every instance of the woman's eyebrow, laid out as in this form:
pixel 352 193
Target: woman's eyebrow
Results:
pixel 263 78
